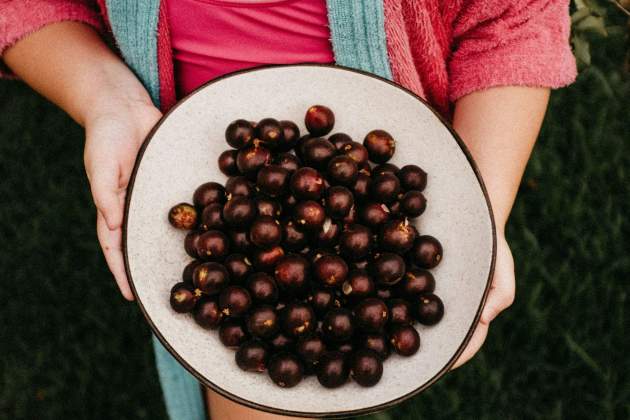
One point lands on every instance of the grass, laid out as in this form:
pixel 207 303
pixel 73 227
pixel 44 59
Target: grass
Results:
pixel 71 348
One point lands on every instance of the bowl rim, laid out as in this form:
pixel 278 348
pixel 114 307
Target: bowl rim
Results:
pixel 251 404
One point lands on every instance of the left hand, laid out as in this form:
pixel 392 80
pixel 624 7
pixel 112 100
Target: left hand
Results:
pixel 500 297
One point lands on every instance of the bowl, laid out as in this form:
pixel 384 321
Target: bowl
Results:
pixel 181 152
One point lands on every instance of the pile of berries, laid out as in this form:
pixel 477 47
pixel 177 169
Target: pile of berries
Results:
pixel 306 262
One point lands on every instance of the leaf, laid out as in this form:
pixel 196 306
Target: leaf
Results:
pixel 581 49
pixel 593 24
pixel 579 4
pixel 582 354
pixel 579 15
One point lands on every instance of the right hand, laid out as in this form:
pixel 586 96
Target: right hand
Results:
pixel 114 134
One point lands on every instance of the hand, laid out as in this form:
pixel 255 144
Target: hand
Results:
pixel 114 134
pixel 500 297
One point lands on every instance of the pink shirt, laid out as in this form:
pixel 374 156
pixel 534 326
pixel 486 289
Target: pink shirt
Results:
pixel 214 37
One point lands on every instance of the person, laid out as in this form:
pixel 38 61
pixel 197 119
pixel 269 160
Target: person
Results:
pixel 486 65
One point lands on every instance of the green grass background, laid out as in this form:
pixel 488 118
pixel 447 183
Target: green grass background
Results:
pixel 71 348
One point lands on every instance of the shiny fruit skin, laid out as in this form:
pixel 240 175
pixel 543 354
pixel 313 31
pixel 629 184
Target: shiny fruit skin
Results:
pixel 269 132
pixel 374 214
pixel 429 309
pixel 183 216
pixel 319 120
pixel 239 133
pixel 268 207
pixel 426 252
pixel 190 243
pixel 400 312
pixel 288 161
pixel 377 343
pixel 413 204
pixel 212 217
pixel 310 348
pixel 207 313
pixel 412 177
pixel 309 215
pixel 290 135
pixel 385 188
pixel 250 159
pixel 285 369
pixel 357 152
pixel 338 325
pixel 239 212
pixel 342 170
pixel 252 356
pixel 266 259
pixel 238 266
pixel 227 162
pixel 385 168
pixel 362 187
pixel 366 367
pixel 210 192
pixel 187 274
pixel 239 185
pixel 371 315
pixel 339 140
pixel 355 242
pixel 234 301
pixel 388 268
pixel 262 288
pixel 232 333
pixel 183 298
pixel 322 300
pixel 358 285
pixel 239 241
pixel 397 236
pixel 273 180
pixel 281 342
pixel 210 277
pixel 213 245
pixel 263 322
pixel 380 145
pixel 405 340
pixel 265 232
pixel 417 281
pixel 333 369
pixel 292 274
pixel 339 201
pixel 298 319
pixel 330 270
pixel 294 239
pixel 318 153
pixel 307 184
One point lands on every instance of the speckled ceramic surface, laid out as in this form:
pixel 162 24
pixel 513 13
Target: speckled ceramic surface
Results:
pixel 182 152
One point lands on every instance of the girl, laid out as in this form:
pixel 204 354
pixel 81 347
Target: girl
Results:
pixel 487 65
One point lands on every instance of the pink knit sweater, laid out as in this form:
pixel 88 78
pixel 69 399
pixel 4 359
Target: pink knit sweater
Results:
pixel 441 50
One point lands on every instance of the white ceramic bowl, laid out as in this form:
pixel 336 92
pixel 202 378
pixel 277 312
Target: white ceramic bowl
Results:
pixel 181 152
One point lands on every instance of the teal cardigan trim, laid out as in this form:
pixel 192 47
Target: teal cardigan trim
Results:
pixel 134 25
pixel 357 30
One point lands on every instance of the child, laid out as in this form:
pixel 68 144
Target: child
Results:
pixel 487 65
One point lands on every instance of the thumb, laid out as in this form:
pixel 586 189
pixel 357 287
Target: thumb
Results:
pixel 106 192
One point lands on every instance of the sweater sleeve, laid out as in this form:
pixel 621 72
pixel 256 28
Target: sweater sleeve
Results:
pixel 510 42
pixel 19 18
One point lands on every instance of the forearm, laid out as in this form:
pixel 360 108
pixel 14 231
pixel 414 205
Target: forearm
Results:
pixel 69 64
pixel 500 126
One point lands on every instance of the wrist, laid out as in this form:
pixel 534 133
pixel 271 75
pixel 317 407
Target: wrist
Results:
pixel 117 92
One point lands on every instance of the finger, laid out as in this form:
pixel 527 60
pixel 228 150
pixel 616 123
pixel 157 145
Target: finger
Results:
pixel 106 191
pixel 500 297
pixel 473 346
pixel 110 241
